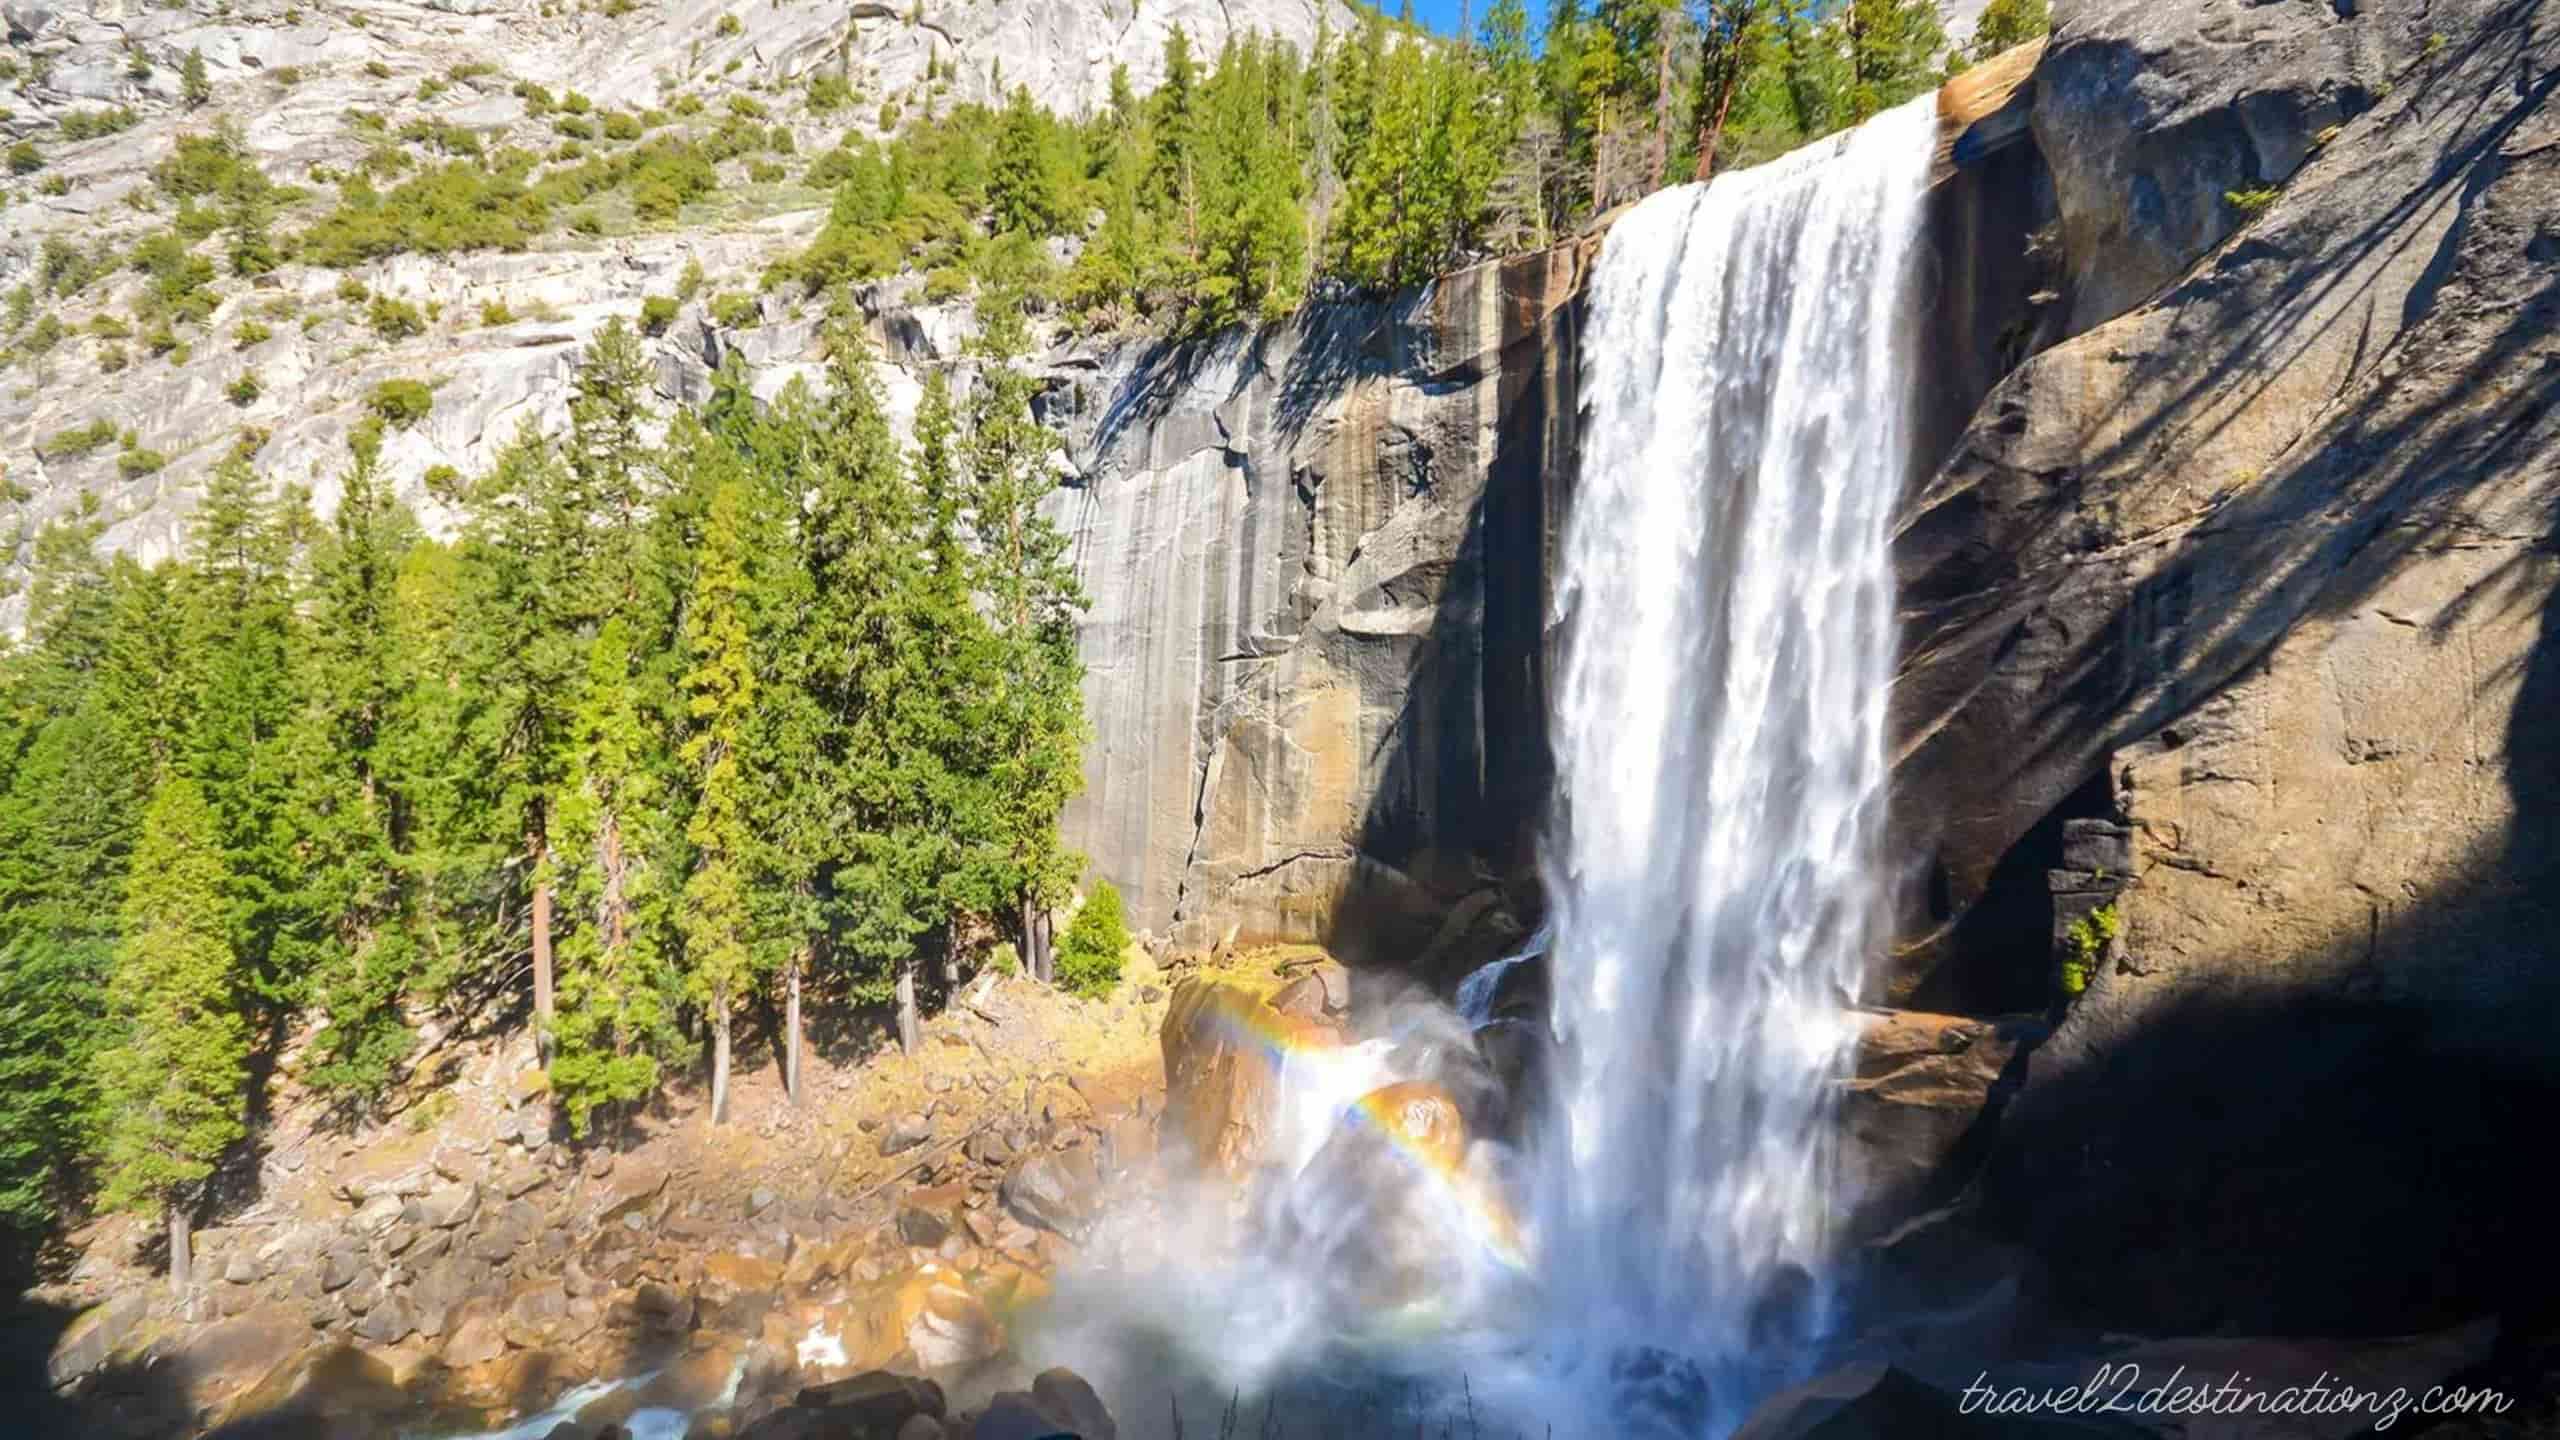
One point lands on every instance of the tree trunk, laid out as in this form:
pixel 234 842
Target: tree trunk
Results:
pixel 1662 106
pixel 791 1031
pixel 182 1261
pixel 541 950
pixel 1713 135
pixel 1035 954
pixel 719 1061
pixel 910 1031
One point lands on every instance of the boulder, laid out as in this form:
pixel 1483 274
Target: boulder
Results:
pixel 925 1214
pixel 906 1133
pixel 874 1400
pixel 1401 1151
pixel 1055 1190
pixel 537 1316
pixel 1222 1047
pixel 1916 1116
pixel 1059 1402
pixel 344 1265
pixel 479 1337
pixel 445 1206
pixel 99 1332
pixel 377 1216
pixel 1067 1398
pixel 391 1320
pixel 736 1292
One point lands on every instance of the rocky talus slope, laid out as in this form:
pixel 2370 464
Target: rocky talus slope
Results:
pixel 463 1263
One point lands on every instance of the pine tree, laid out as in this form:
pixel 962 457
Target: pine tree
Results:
pixel 351 915
pixel 171 1086
pixel 193 85
pixel 1892 47
pixel 241 630
pixel 862 523
pixel 2007 24
pixel 719 914
pixel 615 1019
pixel 555 550
pixel 1175 126
pixel 1032 598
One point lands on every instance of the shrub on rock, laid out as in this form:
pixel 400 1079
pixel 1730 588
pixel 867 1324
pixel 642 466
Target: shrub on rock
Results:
pixel 1089 958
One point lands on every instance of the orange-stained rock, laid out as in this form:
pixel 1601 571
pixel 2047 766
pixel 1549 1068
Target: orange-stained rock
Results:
pixel 1223 1048
pixel 1421 1120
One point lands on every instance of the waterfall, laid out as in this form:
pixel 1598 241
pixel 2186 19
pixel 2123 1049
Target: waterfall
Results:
pixel 1719 734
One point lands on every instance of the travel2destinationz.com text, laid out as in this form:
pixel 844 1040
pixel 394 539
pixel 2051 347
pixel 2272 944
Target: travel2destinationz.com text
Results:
pixel 2121 1390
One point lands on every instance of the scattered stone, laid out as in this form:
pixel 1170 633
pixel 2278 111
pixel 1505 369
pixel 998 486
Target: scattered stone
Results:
pixel 389 1322
pixel 906 1133
pixel 378 1215
pixel 92 1339
pixel 924 1216
pixel 243 1269
pixel 445 1206
pixel 760 1201
pixel 1055 1191
pixel 340 1267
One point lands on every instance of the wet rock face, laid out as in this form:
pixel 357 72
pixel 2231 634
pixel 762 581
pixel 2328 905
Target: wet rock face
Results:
pixel 1222 1072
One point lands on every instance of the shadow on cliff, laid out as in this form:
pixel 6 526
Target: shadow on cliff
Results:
pixel 2408 456
pixel 2311 299
pixel 124 1398
pixel 2335 1140
pixel 1319 354
pixel 1446 875
pixel 2333 1137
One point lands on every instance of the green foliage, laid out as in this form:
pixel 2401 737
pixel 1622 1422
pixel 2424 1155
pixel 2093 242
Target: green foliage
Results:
pixel 400 403
pixel 24 158
pixel 1089 955
pixel 736 310
pixel 171 1082
pixel 657 312
pixel 828 93
pixel 136 463
pixel 763 698
pixel 97 124
pixel 2085 944
pixel 73 442
pixel 245 390
pixel 2006 24
pixel 2251 201
pixel 452 208
pixel 394 319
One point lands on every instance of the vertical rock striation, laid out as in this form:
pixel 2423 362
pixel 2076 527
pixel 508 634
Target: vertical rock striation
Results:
pixel 1317 559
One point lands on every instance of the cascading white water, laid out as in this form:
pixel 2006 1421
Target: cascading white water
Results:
pixel 1654 1262
pixel 1719 734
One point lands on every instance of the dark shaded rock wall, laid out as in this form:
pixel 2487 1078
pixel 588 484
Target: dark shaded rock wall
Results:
pixel 2261 565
